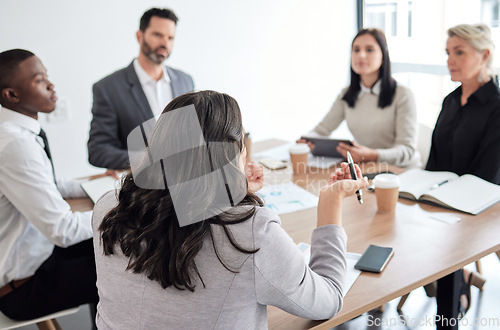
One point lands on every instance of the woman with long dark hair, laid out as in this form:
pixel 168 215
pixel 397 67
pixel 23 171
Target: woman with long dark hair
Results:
pixel 380 113
pixel 187 244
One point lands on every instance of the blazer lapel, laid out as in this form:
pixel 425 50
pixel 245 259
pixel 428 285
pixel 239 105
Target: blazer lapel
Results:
pixel 138 93
pixel 174 83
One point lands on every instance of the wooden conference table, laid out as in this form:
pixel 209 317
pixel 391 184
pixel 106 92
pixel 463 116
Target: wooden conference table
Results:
pixel 425 249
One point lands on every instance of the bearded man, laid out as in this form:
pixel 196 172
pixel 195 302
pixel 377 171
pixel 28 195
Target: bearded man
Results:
pixel 135 94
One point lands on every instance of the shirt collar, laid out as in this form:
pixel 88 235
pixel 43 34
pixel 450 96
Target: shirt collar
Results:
pixel 375 89
pixel 482 94
pixel 143 76
pixel 7 115
pixel 485 92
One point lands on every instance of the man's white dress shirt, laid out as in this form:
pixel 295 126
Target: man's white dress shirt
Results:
pixel 158 93
pixel 33 214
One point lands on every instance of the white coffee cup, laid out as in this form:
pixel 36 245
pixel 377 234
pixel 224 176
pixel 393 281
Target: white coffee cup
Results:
pixel 298 157
pixel 386 191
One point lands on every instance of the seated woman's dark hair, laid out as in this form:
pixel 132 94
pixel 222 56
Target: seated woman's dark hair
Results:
pixel 388 84
pixel 147 227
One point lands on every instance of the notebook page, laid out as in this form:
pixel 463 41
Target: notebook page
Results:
pixel 468 193
pixel 418 182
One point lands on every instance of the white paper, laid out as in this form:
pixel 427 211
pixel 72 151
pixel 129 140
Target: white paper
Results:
pixel 280 152
pixel 467 193
pixel 444 217
pixel 352 273
pixel 95 189
pixel 287 197
pixel 323 162
pixel 306 251
pixel 351 259
pixel 417 181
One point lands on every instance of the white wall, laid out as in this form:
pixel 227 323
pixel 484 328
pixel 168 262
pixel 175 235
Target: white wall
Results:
pixel 283 60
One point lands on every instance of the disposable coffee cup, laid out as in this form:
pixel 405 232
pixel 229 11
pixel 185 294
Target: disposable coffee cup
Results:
pixel 386 191
pixel 298 157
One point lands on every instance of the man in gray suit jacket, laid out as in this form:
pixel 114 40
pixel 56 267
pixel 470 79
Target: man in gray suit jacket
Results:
pixel 137 93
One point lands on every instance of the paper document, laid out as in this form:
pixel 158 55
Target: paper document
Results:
pixel 352 273
pixel 95 189
pixel 444 217
pixel 287 197
pixel 280 152
pixel 323 162
pixel 351 259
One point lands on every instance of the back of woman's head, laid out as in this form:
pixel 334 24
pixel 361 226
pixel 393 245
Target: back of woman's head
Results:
pixel 478 36
pixel 194 151
pixel 189 179
pixel 388 84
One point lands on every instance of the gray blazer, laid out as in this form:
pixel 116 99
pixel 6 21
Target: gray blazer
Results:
pixel 119 106
pixel 275 275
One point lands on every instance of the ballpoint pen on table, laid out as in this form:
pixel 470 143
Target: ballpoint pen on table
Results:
pixel 354 176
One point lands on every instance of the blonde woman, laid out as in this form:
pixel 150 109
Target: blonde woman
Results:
pixel 466 139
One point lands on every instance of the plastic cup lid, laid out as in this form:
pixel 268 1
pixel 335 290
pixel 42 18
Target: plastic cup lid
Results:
pixel 386 181
pixel 299 148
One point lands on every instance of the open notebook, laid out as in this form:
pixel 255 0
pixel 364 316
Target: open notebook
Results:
pixel 466 193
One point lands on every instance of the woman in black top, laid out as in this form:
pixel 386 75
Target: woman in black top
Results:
pixel 466 139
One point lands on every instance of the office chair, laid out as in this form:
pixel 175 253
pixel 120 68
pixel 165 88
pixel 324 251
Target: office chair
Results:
pixel 424 142
pixel 47 322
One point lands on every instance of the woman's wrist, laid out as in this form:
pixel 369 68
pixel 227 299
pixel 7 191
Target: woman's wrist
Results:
pixel 373 156
pixel 330 209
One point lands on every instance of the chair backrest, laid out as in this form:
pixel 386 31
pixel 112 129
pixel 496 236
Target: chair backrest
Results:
pixel 7 323
pixel 424 142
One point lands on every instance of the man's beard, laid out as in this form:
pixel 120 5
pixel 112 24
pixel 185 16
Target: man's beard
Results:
pixel 151 54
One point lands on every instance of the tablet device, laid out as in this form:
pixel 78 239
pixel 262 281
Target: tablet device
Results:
pixel 325 147
pixel 374 259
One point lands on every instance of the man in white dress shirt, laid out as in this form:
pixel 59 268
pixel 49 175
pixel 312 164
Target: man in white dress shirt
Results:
pixel 131 96
pixel 46 260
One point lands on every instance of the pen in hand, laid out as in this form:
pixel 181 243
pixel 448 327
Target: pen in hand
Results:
pixel 354 176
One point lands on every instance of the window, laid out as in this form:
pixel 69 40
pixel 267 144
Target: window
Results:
pixel 490 12
pixel 416 37
pixel 394 17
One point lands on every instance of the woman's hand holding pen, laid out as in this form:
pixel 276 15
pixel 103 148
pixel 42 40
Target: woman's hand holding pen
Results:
pixel 340 186
pixel 347 185
pixel 358 152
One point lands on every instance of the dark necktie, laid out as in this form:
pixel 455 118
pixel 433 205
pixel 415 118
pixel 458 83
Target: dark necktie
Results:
pixel 47 150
